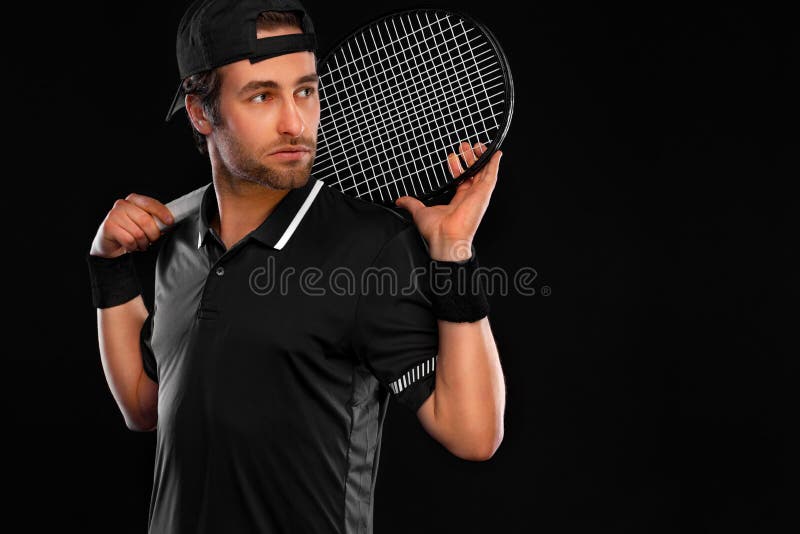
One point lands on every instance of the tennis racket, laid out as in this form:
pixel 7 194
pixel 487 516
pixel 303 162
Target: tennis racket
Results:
pixel 396 97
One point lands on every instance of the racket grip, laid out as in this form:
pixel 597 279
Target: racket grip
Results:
pixel 182 206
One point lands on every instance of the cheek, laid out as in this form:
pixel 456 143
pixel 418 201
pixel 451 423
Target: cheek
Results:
pixel 248 129
pixel 312 117
pixel 252 132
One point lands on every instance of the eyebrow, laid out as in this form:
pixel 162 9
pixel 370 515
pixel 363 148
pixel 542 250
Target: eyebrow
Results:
pixel 270 84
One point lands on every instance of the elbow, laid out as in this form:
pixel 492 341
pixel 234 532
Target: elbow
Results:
pixel 140 427
pixel 141 414
pixel 487 443
pixel 483 449
pixel 133 425
pixel 487 452
pixel 140 424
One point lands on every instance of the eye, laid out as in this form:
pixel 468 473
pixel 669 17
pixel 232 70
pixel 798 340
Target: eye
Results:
pixel 254 99
pixel 309 89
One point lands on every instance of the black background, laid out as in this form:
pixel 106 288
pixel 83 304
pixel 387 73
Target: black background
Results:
pixel 644 178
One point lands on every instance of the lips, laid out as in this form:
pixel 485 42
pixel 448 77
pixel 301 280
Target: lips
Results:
pixel 291 149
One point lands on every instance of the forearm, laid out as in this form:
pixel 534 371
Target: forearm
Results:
pixel 469 399
pixel 118 330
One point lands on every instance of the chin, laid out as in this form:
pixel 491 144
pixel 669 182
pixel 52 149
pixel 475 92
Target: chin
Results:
pixel 300 181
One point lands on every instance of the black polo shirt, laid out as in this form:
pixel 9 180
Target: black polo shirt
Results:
pixel 276 360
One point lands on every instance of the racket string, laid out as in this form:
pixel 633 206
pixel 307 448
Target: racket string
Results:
pixel 377 109
pixel 323 75
pixel 403 124
pixel 392 128
pixel 391 145
pixel 436 164
pixel 440 138
pixel 431 113
pixel 359 152
pixel 345 142
pixel 417 170
pixel 457 77
pixel 447 136
pixel 432 61
pixel 388 121
pixel 481 78
pixel 339 136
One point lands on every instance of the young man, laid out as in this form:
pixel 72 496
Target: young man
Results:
pixel 268 396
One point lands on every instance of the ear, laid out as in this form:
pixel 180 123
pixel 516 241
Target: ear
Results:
pixel 197 115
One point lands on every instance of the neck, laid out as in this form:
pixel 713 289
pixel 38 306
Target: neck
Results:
pixel 242 206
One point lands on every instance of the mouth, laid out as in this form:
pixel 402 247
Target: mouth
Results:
pixel 291 149
pixel 290 153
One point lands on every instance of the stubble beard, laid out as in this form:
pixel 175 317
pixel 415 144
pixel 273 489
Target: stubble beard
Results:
pixel 244 165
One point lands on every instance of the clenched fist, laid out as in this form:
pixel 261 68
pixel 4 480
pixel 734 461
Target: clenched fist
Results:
pixel 130 226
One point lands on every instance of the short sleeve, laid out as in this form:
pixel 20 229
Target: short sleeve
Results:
pixel 395 331
pixel 148 358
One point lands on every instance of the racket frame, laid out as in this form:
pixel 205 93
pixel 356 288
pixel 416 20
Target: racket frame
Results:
pixel 437 196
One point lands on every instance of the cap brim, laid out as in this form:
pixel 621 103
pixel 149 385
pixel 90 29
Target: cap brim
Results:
pixel 177 102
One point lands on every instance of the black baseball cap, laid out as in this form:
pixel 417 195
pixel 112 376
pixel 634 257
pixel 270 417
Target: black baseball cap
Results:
pixel 213 33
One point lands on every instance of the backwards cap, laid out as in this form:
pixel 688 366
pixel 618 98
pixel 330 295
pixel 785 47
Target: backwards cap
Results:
pixel 213 33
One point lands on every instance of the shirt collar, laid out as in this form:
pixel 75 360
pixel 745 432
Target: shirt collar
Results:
pixel 279 225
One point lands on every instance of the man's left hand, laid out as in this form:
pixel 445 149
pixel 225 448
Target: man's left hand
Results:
pixel 450 228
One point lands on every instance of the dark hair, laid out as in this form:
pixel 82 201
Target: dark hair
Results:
pixel 206 85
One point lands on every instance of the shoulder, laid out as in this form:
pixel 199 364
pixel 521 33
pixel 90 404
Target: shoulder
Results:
pixel 364 224
pixel 183 235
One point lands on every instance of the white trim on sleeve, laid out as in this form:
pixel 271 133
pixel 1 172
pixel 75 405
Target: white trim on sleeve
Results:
pixel 422 370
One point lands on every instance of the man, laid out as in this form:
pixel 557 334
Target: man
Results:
pixel 269 404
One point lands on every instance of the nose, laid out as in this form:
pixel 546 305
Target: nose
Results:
pixel 291 120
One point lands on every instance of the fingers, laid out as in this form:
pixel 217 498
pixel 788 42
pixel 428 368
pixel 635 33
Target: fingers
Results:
pixel 143 219
pixel 151 206
pixel 409 203
pixel 137 230
pixel 130 225
pixel 455 164
pixel 470 154
pixel 138 225
pixel 488 175
pixel 121 237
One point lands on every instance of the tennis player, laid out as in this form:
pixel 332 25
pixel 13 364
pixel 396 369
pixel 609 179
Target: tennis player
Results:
pixel 269 393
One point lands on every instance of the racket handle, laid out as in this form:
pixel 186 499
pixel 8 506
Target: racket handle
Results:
pixel 182 206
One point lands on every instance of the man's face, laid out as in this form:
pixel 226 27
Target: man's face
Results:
pixel 264 107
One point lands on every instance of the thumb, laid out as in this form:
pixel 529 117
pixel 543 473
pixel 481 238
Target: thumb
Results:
pixel 409 203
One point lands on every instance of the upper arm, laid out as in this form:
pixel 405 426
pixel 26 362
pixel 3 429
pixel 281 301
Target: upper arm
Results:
pixel 395 332
pixel 147 388
pixel 427 416
pixel 147 395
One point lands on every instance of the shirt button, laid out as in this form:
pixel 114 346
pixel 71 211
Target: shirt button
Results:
pixel 220 271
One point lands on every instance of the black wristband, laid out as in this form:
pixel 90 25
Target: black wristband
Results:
pixel 113 280
pixel 457 293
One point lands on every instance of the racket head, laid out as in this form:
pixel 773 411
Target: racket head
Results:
pixel 362 103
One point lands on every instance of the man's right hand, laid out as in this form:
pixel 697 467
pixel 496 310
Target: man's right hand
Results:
pixel 130 226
